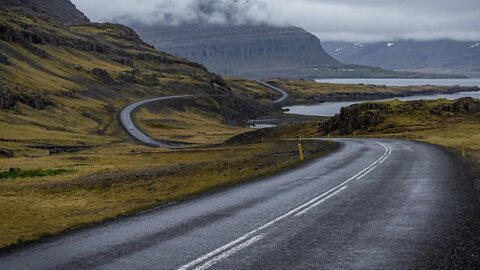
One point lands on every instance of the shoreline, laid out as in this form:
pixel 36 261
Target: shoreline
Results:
pixel 280 117
pixel 363 96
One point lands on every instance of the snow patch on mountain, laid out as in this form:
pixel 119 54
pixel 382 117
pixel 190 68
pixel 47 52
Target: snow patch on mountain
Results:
pixel 357 45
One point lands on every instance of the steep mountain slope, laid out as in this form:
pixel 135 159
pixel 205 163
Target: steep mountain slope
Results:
pixel 445 56
pixel 62 85
pixel 62 10
pixel 246 50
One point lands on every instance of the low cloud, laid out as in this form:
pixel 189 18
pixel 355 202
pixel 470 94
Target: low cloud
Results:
pixel 346 20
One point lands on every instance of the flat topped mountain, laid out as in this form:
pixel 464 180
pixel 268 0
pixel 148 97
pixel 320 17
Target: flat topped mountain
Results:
pixel 445 56
pixel 62 10
pixel 240 50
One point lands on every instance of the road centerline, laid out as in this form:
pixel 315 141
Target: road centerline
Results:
pixel 319 202
pixel 230 252
pixel 301 208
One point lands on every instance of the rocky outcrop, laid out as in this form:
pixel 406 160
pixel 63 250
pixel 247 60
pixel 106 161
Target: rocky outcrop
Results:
pixel 103 76
pixel 36 101
pixel 58 149
pixel 6 153
pixel 122 32
pixel 6 101
pixel 465 105
pixel 355 117
pixel 238 50
pixel 62 11
pixel 367 116
pixel 4 59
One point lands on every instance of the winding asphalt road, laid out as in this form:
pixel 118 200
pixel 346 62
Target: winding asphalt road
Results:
pixel 136 133
pixel 283 93
pixel 129 126
pixel 373 204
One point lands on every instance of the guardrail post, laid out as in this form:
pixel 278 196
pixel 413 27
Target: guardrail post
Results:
pixel 300 152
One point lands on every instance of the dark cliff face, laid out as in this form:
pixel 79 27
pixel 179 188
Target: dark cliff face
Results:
pixel 61 10
pixel 240 50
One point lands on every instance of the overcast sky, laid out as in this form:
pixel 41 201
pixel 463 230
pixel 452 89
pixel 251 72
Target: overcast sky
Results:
pixel 346 20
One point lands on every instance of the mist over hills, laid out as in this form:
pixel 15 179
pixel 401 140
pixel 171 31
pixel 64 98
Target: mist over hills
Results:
pixel 439 56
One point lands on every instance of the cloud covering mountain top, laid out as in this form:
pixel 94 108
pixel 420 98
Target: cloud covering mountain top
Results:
pixel 345 20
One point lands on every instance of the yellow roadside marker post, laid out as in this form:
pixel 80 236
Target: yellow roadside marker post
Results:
pixel 300 151
pixel 464 154
pixel 329 139
pixel 354 134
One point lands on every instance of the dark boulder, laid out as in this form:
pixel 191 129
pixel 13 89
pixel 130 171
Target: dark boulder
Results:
pixel 4 59
pixel 355 117
pixel 6 153
pixel 103 76
pixel 7 101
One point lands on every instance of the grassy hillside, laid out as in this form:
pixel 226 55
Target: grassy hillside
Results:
pixel 64 84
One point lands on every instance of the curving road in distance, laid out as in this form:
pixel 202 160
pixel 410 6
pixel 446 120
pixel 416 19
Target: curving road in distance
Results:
pixel 283 93
pixel 373 204
pixel 136 133
pixel 129 126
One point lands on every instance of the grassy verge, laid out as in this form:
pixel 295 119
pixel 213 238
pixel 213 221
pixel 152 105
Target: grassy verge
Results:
pixel 119 179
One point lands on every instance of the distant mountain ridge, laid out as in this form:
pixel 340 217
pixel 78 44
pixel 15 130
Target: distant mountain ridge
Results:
pixel 63 11
pixel 439 56
pixel 240 50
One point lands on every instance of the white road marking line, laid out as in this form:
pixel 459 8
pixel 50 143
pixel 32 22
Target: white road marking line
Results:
pixel 319 202
pixel 365 174
pixel 291 212
pixel 389 152
pixel 215 252
pixel 247 235
pixel 230 252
